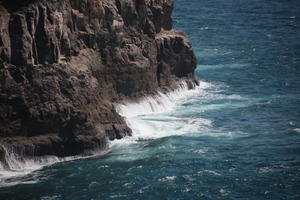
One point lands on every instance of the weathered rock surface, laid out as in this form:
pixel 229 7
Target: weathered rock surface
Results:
pixel 63 65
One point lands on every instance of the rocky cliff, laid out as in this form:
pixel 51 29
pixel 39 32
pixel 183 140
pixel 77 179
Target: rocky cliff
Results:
pixel 65 63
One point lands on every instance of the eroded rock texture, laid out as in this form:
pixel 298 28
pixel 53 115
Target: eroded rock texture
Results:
pixel 63 65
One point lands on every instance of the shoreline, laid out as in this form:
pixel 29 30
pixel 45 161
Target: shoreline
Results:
pixel 65 65
pixel 22 155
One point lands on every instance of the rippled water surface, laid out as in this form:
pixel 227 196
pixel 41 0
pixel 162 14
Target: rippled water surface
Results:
pixel 235 137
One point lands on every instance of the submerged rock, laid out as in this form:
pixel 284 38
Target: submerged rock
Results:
pixel 64 64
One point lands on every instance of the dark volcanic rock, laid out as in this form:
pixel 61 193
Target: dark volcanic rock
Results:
pixel 64 63
pixel 175 56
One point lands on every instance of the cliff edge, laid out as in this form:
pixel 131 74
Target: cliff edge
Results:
pixel 64 64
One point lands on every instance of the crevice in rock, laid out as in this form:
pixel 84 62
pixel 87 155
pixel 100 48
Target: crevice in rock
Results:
pixel 71 60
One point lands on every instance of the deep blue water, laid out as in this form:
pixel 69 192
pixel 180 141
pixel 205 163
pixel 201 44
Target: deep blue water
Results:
pixel 237 138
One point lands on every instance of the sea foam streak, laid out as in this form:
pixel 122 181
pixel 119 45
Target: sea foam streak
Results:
pixel 15 168
pixel 150 118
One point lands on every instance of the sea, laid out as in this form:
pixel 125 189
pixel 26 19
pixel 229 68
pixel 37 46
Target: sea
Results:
pixel 236 136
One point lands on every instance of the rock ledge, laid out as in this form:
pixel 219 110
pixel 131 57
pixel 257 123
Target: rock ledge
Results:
pixel 64 64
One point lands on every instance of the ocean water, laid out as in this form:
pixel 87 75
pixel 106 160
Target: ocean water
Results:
pixel 237 136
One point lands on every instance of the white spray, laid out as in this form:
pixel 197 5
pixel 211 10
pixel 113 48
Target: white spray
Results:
pixel 148 118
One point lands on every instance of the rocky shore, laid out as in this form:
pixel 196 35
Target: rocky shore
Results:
pixel 65 64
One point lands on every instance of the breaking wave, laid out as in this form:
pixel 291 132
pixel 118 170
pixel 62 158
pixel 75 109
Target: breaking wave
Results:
pixel 153 117
pixel 14 167
pixel 146 118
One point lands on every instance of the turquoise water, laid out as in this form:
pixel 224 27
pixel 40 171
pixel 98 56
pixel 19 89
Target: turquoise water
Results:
pixel 236 137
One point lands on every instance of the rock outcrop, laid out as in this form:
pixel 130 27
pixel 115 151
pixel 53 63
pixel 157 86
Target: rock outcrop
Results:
pixel 64 64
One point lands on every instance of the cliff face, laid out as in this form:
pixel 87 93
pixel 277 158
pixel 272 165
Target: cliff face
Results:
pixel 63 65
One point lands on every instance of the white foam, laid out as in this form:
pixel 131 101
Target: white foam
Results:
pixel 150 119
pixel 161 102
pixel 167 179
pixel 200 151
pixel 297 130
pixel 16 166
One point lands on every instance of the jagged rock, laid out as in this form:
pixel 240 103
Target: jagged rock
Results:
pixel 63 65
pixel 175 56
